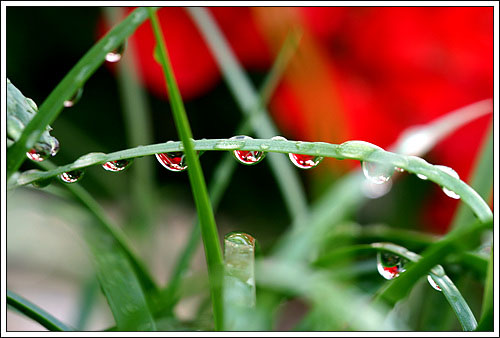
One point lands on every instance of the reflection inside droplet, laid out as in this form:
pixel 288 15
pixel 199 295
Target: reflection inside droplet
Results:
pixel 390 265
pixel 173 161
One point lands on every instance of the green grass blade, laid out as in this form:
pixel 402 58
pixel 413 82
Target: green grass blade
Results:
pixel 486 322
pixel 248 98
pixel 433 255
pixel 481 181
pixel 137 118
pixel 34 312
pixel 118 281
pixel 225 169
pixel 205 213
pixel 86 302
pixel 74 80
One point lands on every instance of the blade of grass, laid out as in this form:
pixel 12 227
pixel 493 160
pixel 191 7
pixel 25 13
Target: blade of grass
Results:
pixel 34 312
pixel 96 210
pixel 225 169
pixel 454 241
pixel 486 323
pixel 481 181
pixel 247 98
pixel 87 300
pixel 208 227
pixel 118 281
pixel 136 115
pixel 74 80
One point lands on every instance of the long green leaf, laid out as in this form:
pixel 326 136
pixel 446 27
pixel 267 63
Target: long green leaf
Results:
pixel 209 233
pixel 73 81
pixel 487 312
pixel 118 281
pixel 433 255
pixel 34 312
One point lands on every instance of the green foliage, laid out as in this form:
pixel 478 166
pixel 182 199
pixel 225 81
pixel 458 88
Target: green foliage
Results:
pixel 323 259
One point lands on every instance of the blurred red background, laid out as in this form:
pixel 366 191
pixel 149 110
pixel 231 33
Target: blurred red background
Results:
pixel 363 73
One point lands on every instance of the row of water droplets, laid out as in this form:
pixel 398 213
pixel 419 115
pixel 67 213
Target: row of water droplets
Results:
pixel 379 175
pixel 390 266
pixel 75 175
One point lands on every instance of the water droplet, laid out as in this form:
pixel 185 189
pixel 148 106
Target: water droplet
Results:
pixel 117 165
pixel 400 170
pixel 173 161
pixel 372 190
pixel 71 176
pixel 278 138
pixel 390 265
pixel 433 283
pixel 37 156
pixel 247 157
pixel 55 146
pixel 377 172
pixel 116 54
pixel 453 173
pixel 422 177
pixel 305 161
pixel 74 99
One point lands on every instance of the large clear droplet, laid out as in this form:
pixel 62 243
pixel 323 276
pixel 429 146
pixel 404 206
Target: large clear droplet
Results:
pixel 116 55
pixel 453 173
pixel 71 176
pixel 74 99
pixel 305 161
pixel 117 165
pixel 377 172
pixel 390 265
pixel 433 283
pixel 373 191
pixel 247 157
pixel 173 161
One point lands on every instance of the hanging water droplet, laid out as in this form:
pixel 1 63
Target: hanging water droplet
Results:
pixel 433 283
pixel 390 265
pixel 400 170
pixel 247 157
pixel 54 146
pixel 37 156
pixel 305 161
pixel 117 165
pixel 173 161
pixel 453 173
pixel 372 190
pixel 74 99
pixel 71 176
pixel 422 177
pixel 377 172
pixel 116 54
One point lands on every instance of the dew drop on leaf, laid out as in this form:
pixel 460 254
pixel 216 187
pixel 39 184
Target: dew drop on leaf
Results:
pixel 453 173
pixel 433 283
pixel 376 172
pixel 74 99
pixel 71 176
pixel 116 54
pixel 247 157
pixel 305 161
pixel 173 161
pixel 390 265
pixel 422 177
pixel 36 156
pixel 117 165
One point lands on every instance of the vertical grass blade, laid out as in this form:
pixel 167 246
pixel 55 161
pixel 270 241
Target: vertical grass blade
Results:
pixel 486 322
pixel 481 181
pixel 247 98
pixel 73 81
pixel 203 206
pixel 225 169
pixel 34 312
pixel 119 282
